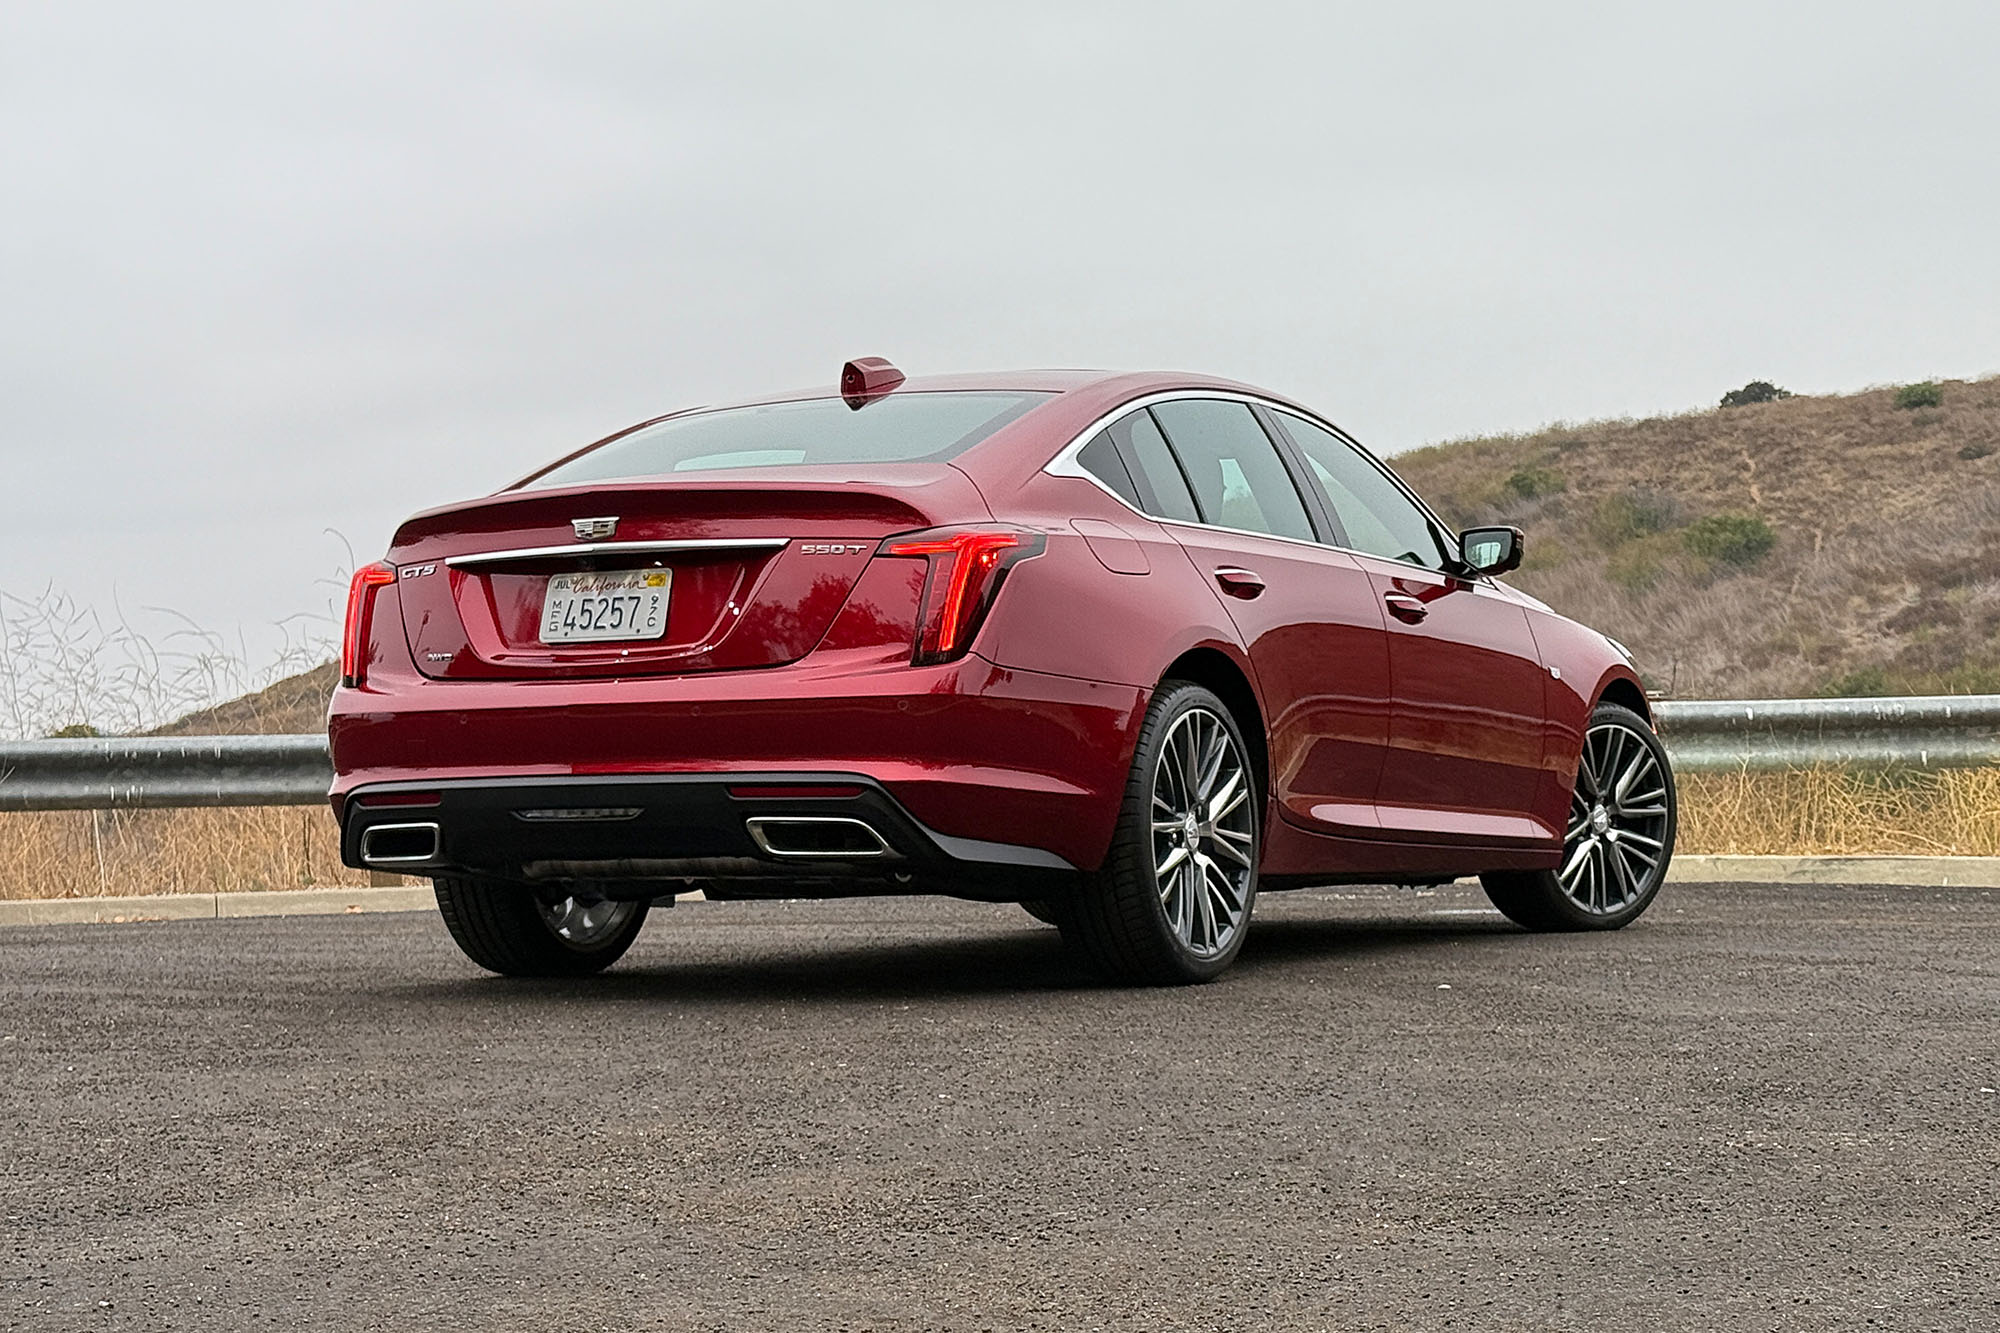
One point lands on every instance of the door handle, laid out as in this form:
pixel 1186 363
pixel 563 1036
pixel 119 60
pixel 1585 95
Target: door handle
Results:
pixel 1239 582
pixel 1405 607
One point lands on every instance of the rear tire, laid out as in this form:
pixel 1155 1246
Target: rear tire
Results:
pixel 1043 911
pixel 1622 819
pixel 513 930
pixel 1172 903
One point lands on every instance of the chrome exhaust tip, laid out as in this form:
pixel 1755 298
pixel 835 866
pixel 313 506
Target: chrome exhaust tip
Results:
pixel 399 844
pixel 816 837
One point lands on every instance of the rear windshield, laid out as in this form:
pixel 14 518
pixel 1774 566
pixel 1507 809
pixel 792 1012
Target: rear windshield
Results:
pixel 901 428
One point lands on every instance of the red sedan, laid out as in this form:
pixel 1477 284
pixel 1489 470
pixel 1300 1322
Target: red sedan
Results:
pixel 1126 649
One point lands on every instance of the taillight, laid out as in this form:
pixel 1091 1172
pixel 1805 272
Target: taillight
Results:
pixel 966 569
pixel 360 600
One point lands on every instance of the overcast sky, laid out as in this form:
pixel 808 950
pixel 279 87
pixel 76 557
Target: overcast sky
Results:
pixel 273 269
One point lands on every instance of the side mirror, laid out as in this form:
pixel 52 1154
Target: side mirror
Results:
pixel 1492 550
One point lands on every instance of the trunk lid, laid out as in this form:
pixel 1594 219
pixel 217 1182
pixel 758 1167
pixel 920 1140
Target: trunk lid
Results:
pixel 751 572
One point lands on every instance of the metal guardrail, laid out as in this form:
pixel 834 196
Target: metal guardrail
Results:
pixel 1765 735
pixel 132 772
pixel 1754 735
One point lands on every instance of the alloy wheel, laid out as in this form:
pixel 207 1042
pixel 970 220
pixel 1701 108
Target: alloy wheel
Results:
pixel 1204 833
pixel 586 922
pixel 1614 849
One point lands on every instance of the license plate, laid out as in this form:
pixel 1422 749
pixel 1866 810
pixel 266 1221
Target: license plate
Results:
pixel 593 608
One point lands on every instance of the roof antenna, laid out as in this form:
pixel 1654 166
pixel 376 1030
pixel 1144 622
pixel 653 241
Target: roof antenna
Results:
pixel 866 378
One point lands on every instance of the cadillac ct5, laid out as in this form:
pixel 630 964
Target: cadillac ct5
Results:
pixel 1126 649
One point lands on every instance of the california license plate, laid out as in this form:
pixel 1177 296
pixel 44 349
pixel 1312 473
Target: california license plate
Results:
pixel 617 604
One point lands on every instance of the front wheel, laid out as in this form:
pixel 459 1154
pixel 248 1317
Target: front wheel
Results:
pixel 518 931
pixel 1173 901
pixel 1622 818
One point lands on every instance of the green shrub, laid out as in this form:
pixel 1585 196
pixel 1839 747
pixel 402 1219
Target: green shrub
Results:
pixel 75 731
pixel 1730 539
pixel 1756 391
pixel 1869 682
pixel 1636 511
pixel 1532 483
pixel 1977 449
pixel 1912 396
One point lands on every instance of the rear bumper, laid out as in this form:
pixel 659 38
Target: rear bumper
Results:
pixel 957 761
pixel 656 832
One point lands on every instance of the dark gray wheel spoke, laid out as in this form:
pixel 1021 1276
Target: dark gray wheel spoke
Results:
pixel 1574 859
pixel 1630 775
pixel 1614 754
pixel 1586 779
pixel 1225 843
pixel 1221 890
pixel 1215 755
pixel 1621 874
pixel 1208 930
pixel 1637 863
pixel 1184 782
pixel 1227 796
pixel 586 922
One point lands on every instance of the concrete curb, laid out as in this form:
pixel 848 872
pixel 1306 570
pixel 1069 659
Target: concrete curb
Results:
pixel 1978 872
pixel 188 906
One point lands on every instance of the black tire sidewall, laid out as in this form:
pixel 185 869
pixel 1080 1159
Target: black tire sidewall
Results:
pixel 499 925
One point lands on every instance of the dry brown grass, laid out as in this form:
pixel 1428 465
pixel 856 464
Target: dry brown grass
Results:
pixel 82 853
pixel 1822 812
pixel 1828 812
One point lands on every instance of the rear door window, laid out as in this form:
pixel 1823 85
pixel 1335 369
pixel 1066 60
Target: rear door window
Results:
pixel 1100 459
pixel 1238 479
pixel 1164 490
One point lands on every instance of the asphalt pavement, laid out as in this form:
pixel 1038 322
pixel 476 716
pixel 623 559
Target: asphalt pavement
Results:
pixel 1762 1107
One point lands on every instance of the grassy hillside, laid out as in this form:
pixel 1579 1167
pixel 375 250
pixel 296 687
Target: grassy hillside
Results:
pixel 1833 545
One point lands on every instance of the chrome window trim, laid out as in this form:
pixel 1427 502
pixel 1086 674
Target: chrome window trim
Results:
pixel 617 548
pixel 1065 464
pixel 1249 532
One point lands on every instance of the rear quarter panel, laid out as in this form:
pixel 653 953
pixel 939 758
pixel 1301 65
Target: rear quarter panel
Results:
pixel 1068 612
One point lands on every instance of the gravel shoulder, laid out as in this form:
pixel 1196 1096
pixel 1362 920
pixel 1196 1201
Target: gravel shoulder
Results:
pixel 1763 1107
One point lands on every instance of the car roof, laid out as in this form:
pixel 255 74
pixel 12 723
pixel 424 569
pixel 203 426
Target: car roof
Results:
pixel 1057 381
pixel 1075 398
